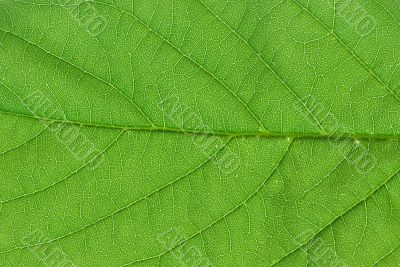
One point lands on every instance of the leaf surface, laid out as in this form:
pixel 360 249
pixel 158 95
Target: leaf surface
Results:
pixel 199 133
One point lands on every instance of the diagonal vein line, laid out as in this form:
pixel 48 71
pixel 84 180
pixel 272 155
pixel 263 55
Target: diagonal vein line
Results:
pixel 25 142
pixel 269 67
pixel 353 53
pixel 254 116
pixel 232 92
pixel 84 71
pixel 129 205
pixel 371 71
pixel 370 194
pixel 386 255
pixel 230 212
pixel 3 202
pixel 343 160
pixel 387 11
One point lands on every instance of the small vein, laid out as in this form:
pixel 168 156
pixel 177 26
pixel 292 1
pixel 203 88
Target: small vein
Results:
pixel 254 116
pixel 3 202
pixel 386 255
pixel 387 11
pixel 366 67
pixel 127 206
pixel 230 212
pixel 84 71
pixel 370 194
pixel 232 92
pixel 258 55
pixel 25 142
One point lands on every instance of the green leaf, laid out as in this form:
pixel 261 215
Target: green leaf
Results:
pixel 199 133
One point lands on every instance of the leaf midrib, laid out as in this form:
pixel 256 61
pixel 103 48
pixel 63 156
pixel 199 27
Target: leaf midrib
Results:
pixel 258 134
pixel 324 135
pixel 365 198
pixel 264 132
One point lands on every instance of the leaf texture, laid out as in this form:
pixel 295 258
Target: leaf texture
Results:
pixel 207 133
